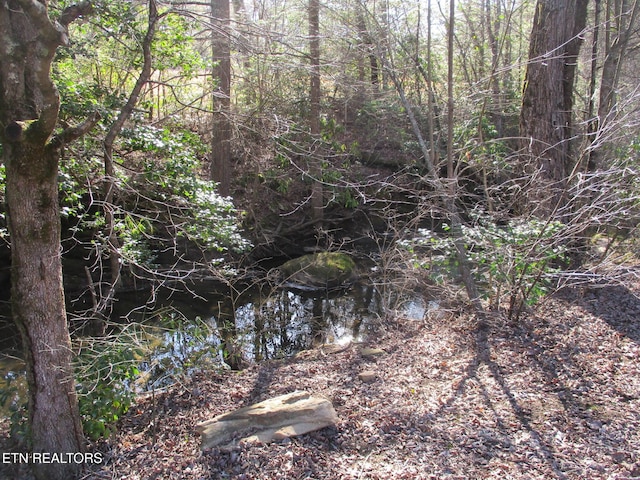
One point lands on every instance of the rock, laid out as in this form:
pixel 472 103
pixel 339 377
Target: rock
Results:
pixel 274 419
pixel 323 349
pixel 319 270
pixel 367 376
pixel 372 352
pixel 331 348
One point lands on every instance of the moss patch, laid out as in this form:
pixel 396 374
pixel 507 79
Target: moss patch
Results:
pixel 325 269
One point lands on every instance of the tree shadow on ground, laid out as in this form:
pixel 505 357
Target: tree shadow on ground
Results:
pixel 615 304
pixel 525 396
pixel 558 365
pixel 558 376
pixel 483 357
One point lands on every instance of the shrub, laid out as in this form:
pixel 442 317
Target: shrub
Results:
pixel 512 262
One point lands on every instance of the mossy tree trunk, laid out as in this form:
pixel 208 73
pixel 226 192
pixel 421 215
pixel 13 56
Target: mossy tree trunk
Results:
pixel 29 105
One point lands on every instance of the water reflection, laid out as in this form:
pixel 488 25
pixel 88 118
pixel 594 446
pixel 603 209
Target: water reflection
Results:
pixel 184 331
pixel 254 328
pixel 288 322
pixel 13 386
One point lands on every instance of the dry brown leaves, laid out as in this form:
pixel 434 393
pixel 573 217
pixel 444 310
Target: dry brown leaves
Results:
pixel 555 395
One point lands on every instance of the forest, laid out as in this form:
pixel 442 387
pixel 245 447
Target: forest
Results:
pixel 423 211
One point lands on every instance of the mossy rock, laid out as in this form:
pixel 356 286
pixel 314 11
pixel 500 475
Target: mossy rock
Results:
pixel 319 270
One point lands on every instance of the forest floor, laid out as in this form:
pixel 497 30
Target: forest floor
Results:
pixel 555 395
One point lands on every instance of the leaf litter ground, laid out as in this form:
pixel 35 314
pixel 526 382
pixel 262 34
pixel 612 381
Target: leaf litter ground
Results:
pixel 555 395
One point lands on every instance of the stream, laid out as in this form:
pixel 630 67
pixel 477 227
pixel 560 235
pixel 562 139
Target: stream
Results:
pixel 188 329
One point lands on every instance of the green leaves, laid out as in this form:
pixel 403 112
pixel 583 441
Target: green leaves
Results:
pixel 13 402
pixel 512 262
pixel 171 178
pixel 105 371
pixel 174 47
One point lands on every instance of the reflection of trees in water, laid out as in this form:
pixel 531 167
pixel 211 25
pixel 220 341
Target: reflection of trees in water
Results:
pixel 255 326
pixel 286 322
pixel 230 347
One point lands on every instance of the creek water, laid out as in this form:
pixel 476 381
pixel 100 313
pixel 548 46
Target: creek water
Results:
pixel 187 329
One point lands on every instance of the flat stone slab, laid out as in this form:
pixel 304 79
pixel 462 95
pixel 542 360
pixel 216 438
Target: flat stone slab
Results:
pixel 274 419
pixel 371 352
pixel 367 376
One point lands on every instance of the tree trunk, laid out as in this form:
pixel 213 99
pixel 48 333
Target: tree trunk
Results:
pixel 29 104
pixel 450 37
pixel 547 103
pixel 368 49
pixel 591 120
pixel 115 261
pixel 614 58
pixel 607 105
pixel 445 189
pixel 431 104
pixel 221 132
pixel 38 302
pixel 317 203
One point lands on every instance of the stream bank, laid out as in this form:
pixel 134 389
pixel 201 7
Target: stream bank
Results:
pixel 553 396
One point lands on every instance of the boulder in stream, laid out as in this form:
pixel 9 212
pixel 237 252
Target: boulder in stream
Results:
pixel 319 270
pixel 274 419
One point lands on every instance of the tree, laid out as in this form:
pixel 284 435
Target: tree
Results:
pixel 625 25
pixel 314 114
pixel 619 33
pixel 368 49
pixel 446 191
pixel 547 103
pixel 29 105
pixel 221 133
pixel 489 27
pixel 109 168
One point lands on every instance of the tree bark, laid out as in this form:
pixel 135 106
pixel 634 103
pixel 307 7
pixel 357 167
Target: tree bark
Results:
pixel 450 37
pixel 626 20
pixel 431 104
pixel 368 49
pixel 221 72
pixel 614 58
pixel 29 105
pixel 317 203
pixel 591 120
pixel 38 302
pixel 547 103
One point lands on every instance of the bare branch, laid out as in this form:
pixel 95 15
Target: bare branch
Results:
pixel 73 12
pixel 71 134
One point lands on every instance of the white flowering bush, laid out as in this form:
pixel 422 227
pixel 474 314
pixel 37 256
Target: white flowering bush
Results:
pixel 512 262
pixel 190 206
